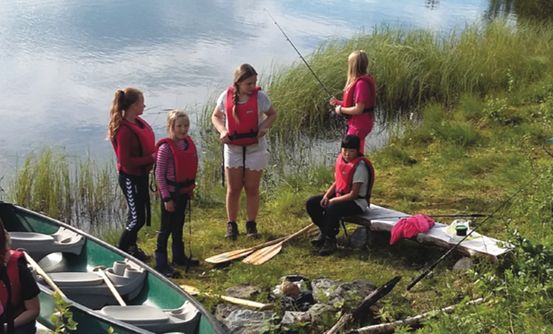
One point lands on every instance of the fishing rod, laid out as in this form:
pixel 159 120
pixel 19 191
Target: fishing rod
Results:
pixel 429 270
pixel 309 67
pixel 470 215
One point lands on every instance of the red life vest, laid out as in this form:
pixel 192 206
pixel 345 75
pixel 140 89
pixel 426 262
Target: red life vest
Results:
pixel 243 132
pixel 349 92
pixel 146 140
pixel 186 164
pixel 13 274
pixel 344 176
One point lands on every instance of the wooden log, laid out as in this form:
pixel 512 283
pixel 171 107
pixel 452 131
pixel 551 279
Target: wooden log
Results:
pixel 414 321
pixel 194 291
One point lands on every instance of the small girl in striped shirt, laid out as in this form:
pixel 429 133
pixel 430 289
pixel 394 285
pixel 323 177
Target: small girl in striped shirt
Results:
pixel 176 166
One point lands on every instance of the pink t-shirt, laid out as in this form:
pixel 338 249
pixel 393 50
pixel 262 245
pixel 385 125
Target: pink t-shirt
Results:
pixel 362 93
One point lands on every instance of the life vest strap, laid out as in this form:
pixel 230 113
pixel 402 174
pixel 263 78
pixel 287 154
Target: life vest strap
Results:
pixel 236 135
pixel 182 184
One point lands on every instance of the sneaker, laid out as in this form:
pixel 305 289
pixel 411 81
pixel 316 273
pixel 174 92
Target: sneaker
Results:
pixel 319 240
pixel 329 247
pixel 251 229
pixel 139 253
pixel 232 230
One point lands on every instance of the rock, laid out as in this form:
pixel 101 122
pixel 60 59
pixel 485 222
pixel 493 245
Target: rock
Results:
pixel 222 311
pixel 242 291
pixel 295 317
pixel 323 287
pixel 463 265
pixel 290 289
pixel 317 312
pixel 362 287
pixel 360 238
pixel 247 321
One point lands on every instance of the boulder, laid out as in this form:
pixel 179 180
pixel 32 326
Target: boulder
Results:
pixel 222 311
pixel 247 321
pixel 242 291
pixel 323 287
pixel 295 317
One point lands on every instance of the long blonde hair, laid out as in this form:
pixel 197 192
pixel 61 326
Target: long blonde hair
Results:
pixel 172 118
pixel 122 100
pixel 242 73
pixel 358 62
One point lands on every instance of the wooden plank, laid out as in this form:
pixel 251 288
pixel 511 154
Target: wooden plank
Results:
pixel 380 219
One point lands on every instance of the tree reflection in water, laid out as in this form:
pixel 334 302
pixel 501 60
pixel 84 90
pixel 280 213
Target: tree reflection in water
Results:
pixel 522 9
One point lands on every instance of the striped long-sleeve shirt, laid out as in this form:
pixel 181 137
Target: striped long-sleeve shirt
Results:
pixel 165 169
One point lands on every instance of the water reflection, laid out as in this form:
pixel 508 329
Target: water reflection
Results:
pixel 526 9
pixel 62 60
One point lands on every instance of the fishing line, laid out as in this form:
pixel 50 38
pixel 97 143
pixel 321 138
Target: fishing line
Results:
pixel 309 67
pixel 429 270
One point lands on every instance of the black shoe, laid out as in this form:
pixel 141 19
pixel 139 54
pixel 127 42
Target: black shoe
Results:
pixel 232 230
pixel 329 247
pixel 169 272
pixel 139 254
pixel 183 261
pixel 251 229
pixel 319 240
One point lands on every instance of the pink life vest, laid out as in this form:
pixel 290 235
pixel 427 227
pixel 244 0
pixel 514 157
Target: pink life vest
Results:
pixel 243 131
pixel 186 164
pixel 344 176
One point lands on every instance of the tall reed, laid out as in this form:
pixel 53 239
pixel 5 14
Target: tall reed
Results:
pixel 79 192
pixel 411 68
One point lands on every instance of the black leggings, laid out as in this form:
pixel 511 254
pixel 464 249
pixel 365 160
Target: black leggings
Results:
pixel 328 219
pixel 135 189
pixel 172 222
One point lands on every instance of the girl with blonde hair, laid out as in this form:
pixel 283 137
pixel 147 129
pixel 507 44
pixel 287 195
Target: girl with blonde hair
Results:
pixel 359 97
pixel 176 167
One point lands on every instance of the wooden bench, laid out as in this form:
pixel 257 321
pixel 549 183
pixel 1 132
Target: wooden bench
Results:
pixel 380 219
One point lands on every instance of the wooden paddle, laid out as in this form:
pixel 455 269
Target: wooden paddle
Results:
pixel 100 271
pixel 265 254
pixel 42 273
pixel 194 291
pixel 233 255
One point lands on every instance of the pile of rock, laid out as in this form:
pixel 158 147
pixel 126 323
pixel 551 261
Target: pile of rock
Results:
pixel 302 301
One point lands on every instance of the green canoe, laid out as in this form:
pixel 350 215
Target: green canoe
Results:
pixel 154 304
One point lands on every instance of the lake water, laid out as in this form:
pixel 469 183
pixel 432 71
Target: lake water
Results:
pixel 62 60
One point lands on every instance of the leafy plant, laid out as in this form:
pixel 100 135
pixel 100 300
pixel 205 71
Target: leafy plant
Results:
pixel 62 317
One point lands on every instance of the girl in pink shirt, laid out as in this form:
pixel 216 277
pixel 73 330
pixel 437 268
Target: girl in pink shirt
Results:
pixel 359 97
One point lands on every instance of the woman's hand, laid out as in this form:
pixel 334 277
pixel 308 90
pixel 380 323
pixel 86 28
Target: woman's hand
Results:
pixel 224 137
pixel 170 206
pixel 333 101
pixel 338 110
pixel 262 131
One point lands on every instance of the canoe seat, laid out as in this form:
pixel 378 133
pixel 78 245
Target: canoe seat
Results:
pixel 38 245
pixel 80 279
pixel 89 289
pixel 183 319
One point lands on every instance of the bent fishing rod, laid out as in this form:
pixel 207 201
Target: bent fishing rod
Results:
pixel 309 67
pixel 429 270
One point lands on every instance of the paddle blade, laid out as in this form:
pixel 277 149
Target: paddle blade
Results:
pixel 229 256
pixel 263 255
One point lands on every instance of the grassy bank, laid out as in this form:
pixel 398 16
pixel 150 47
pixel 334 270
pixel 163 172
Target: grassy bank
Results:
pixel 484 115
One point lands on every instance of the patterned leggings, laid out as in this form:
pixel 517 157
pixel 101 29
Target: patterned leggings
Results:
pixel 135 189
